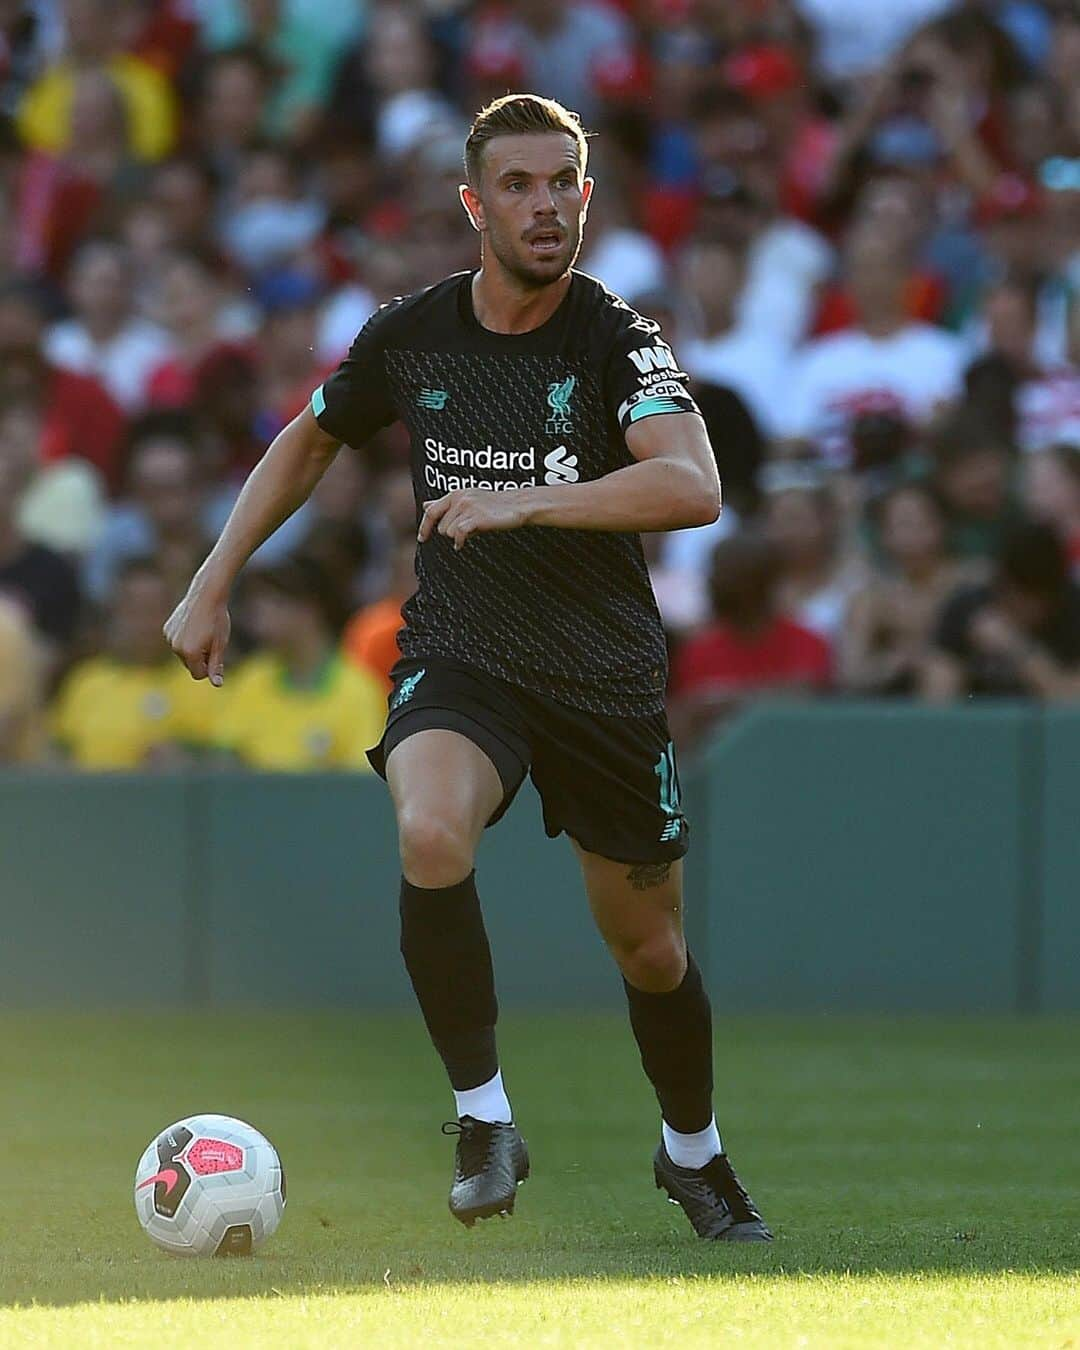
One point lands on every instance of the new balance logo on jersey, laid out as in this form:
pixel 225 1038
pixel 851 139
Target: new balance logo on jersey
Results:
pixel 559 394
pixel 432 398
pixel 648 359
pixel 561 466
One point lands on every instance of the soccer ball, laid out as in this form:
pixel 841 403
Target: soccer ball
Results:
pixel 209 1186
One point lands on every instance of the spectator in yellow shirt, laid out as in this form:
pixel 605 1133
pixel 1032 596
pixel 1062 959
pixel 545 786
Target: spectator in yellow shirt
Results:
pixel 20 688
pixel 133 707
pixel 95 41
pixel 299 705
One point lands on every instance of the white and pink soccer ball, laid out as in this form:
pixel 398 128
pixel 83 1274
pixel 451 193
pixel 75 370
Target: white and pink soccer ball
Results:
pixel 209 1186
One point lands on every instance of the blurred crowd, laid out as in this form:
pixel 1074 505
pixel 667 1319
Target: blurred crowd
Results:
pixel 858 223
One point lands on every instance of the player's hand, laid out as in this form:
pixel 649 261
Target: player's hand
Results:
pixel 470 511
pixel 198 632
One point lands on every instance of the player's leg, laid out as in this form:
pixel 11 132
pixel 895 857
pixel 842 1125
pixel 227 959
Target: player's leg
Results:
pixel 445 789
pixel 611 783
pixel 638 909
pixel 454 759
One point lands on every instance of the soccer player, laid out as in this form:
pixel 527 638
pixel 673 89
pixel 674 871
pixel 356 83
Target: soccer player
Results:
pixel 549 425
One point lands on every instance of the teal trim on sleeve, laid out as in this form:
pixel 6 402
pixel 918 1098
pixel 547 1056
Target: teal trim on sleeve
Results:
pixel 651 406
pixel 318 402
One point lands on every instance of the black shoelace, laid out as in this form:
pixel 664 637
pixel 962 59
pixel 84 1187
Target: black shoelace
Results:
pixel 723 1182
pixel 476 1138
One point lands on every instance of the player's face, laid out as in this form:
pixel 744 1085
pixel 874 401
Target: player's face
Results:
pixel 530 205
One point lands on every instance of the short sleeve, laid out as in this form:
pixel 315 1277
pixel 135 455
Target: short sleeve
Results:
pixel 643 378
pixel 354 403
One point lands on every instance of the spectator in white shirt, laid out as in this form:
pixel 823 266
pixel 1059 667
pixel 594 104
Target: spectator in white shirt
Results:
pixel 105 338
pixel 786 260
pixel 887 364
pixel 1040 400
pixel 679 560
pixel 748 360
pixel 854 37
pixel 626 259
pixel 1048 405
pixel 820 571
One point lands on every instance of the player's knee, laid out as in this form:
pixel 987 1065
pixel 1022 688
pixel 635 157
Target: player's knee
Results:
pixel 435 851
pixel 656 964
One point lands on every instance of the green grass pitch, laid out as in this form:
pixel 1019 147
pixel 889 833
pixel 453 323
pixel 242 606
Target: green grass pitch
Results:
pixel 923 1178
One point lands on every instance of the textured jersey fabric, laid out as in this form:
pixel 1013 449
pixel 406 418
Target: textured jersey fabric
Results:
pixel 565 613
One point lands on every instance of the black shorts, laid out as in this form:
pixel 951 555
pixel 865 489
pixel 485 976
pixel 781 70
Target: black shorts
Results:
pixel 609 782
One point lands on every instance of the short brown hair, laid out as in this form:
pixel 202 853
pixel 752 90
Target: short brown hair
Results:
pixel 519 115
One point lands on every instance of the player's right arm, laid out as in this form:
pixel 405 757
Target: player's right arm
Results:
pixel 350 407
pixel 198 630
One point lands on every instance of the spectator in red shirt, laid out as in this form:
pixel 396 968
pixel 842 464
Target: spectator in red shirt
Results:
pixel 751 648
pixel 772 76
pixel 578 53
pixel 79 416
pixel 189 307
pixel 61 197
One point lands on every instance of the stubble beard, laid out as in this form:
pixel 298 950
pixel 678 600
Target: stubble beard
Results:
pixel 532 275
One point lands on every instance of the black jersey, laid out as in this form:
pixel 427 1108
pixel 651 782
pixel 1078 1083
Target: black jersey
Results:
pixel 565 613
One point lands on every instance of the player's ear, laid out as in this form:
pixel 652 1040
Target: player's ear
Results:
pixel 474 207
pixel 586 195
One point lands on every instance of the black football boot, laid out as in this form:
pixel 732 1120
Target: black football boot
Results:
pixel 490 1163
pixel 713 1199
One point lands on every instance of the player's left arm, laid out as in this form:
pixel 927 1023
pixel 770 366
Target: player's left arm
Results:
pixel 672 484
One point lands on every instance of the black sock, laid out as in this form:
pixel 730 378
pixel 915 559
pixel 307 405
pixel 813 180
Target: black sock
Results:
pixel 674 1035
pixel 449 962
